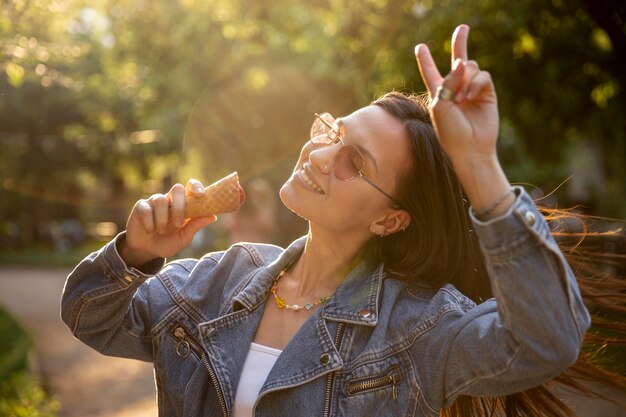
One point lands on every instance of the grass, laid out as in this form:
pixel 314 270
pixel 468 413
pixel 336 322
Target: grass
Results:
pixel 47 256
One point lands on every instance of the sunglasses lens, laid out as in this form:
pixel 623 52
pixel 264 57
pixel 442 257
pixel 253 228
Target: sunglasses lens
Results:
pixel 321 140
pixel 322 130
pixel 318 129
pixel 348 163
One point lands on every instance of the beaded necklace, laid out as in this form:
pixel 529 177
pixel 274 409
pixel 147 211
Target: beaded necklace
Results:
pixel 282 304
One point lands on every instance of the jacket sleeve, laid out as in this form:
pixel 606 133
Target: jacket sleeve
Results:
pixel 109 306
pixel 531 330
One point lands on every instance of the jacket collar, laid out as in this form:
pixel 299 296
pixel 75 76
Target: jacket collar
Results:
pixel 354 301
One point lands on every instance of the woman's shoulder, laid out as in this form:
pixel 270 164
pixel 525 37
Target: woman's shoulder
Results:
pixel 260 254
pixel 223 272
pixel 241 257
pixel 437 300
pixel 416 309
pixel 255 252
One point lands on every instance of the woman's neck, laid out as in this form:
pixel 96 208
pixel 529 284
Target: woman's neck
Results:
pixel 324 263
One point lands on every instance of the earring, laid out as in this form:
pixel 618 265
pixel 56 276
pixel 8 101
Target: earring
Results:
pixel 383 233
pixel 404 228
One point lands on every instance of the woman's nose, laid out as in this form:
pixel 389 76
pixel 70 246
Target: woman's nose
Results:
pixel 322 158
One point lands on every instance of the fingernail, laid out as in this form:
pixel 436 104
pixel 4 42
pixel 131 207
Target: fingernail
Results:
pixel 198 189
pixel 456 64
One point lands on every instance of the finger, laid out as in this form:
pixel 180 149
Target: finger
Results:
pixel 454 79
pixel 452 82
pixel 160 209
pixel 481 82
pixel 428 70
pixel 194 187
pixel 143 211
pixel 193 226
pixel 459 43
pixel 471 71
pixel 176 196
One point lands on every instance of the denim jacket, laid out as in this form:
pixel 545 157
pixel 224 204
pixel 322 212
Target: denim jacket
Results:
pixel 378 347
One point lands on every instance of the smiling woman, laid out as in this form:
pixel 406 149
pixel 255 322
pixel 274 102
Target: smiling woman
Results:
pixel 425 278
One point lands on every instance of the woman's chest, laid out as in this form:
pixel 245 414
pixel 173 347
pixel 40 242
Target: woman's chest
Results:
pixel 278 326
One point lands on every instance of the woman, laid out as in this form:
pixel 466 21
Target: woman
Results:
pixel 359 317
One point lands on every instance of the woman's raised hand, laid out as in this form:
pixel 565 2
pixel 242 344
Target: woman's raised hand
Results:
pixel 467 123
pixel 156 227
pixel 464 110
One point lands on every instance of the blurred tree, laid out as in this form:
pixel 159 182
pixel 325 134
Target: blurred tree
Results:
pixel 101 104
pixel 37 101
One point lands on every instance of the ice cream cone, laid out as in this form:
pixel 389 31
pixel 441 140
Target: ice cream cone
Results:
pixel 223 196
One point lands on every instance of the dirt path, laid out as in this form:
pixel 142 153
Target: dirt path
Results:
pixel 86 383
pixel 89 384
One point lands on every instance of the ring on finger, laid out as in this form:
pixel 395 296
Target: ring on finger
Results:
pixel 444 93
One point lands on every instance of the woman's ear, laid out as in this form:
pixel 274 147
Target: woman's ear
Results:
pixel 395 221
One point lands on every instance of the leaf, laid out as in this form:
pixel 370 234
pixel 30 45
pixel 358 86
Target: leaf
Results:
pixel 15 74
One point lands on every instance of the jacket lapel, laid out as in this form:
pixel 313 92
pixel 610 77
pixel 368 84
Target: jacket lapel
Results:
pixel 227 339
pixel 312 353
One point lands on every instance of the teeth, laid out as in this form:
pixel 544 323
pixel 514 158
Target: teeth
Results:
pixel 310 183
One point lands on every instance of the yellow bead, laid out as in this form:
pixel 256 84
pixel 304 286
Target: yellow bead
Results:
pixel 280 302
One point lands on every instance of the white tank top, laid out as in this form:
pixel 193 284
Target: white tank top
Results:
pixel 256 368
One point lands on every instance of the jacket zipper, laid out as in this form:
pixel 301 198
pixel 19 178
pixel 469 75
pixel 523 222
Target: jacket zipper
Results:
pixel 391 377
pixel 185 343
pixel 331 376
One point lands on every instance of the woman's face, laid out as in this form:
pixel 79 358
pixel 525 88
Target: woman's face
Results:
pixel 345 206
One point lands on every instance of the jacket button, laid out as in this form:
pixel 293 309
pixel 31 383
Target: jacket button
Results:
pixel 325 358
pixel 530 218
pixel 365 313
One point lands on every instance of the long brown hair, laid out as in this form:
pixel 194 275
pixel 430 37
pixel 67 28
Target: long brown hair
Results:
pixel 439 247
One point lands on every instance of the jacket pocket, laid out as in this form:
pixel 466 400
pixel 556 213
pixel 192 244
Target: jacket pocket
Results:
pixel 389 378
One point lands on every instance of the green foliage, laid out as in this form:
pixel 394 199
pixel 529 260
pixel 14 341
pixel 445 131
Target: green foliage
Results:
pixel 41 255
pixel 15 344
pixel 20 393
pixel 101 104
pixel 21 396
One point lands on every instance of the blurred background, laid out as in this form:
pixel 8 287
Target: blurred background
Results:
pixel 102 103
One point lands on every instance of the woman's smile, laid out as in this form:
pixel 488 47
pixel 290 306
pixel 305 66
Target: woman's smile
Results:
pixel 302 175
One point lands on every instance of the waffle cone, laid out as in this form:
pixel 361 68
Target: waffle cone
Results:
pixel 223 196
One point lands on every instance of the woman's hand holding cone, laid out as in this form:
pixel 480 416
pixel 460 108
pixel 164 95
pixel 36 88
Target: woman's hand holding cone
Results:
pixel 163 224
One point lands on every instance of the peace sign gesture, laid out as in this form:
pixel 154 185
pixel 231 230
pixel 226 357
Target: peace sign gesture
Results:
pixel 464 110
pixel 464 104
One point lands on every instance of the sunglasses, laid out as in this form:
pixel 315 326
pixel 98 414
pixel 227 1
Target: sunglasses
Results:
pixel 349 161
